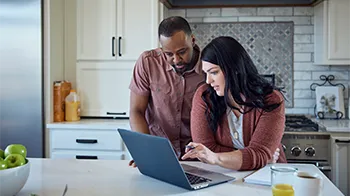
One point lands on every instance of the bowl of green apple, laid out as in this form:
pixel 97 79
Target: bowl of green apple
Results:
pixel 14 169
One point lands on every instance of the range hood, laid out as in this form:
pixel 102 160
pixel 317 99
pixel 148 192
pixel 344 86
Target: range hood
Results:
pixel 235 3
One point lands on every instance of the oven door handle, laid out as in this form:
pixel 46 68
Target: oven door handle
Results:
pixel 342 141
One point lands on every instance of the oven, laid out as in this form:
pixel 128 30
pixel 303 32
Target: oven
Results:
pixel 303 142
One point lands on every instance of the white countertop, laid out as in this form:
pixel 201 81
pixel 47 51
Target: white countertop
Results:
pixel 341 125
pixel 113 177
pixel 91 124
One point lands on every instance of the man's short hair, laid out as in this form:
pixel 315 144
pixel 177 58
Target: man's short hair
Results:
pixel 169 26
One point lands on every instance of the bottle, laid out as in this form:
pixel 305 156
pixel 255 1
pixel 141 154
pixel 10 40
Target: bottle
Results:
pixel 72 106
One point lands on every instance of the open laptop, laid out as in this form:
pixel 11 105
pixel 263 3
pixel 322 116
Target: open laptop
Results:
pixel 155 157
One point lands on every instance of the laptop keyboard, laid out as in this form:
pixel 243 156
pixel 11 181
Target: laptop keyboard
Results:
pixel 196 179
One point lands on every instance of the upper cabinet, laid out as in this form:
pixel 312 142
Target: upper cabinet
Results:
pixel 332 32
pixel 116 29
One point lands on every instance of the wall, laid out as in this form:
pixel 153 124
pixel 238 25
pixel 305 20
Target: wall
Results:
pixel 304 73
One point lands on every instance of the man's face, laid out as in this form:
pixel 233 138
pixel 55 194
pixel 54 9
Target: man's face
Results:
pixel 178 50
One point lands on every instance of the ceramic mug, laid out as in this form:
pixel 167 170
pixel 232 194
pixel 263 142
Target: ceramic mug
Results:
pixel 308 184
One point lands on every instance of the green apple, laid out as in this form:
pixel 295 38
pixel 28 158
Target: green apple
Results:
pixel 16 149
pixel 14 160
pixel 3 164
pixel 2 154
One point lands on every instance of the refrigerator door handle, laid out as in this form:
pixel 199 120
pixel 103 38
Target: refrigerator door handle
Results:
pixel 86 141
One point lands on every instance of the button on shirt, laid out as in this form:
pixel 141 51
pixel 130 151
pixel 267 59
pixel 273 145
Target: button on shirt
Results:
pixel 170 96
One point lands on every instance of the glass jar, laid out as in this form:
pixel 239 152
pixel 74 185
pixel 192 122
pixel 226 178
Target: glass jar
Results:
pixel 282 180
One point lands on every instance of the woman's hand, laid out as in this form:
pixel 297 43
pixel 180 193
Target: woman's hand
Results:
pixel 199 151
pixel 275 157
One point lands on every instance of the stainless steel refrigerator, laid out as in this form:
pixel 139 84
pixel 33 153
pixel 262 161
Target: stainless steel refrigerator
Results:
pixel 21 75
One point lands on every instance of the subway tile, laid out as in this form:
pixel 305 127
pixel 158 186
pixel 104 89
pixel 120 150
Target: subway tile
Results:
pixel 308 66
pixel 195 20
pixel 303 11
pixel 298 20
pixel 302 84
pixel 302 94
pixel 297 111
pixel 302 57
pixel 338 75
pixel 177 12
pixel 255 19
pixel 302 75
pixel 302 39
pixel 275 11
pixel 238 11
pixel 303 47
pixel 220 19
pixel 304 103
pixel 203 12
pixel 303 29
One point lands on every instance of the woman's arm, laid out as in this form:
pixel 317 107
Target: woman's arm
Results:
pixel 266 137
pixel 260 151
pixel 200 129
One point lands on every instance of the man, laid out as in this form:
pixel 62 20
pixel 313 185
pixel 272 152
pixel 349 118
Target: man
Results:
pixel 164 82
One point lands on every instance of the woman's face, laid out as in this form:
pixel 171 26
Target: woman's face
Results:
pixel 214 77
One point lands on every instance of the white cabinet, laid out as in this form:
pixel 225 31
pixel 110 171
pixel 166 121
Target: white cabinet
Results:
pixel 332 32
pixel 103 88
pixel 88 139
pixel 116 29
pixel 111 35
pixel 96 29
pixel 341 163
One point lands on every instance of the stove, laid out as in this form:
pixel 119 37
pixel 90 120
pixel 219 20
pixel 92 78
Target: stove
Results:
pixel 300 123
pixel 304 142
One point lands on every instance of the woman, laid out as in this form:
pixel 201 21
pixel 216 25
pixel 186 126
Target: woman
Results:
pixel 237 118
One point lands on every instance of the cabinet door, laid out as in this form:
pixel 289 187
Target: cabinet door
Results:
pixel 339 29
pixel 341 163
pixel 137 27
pixel 104 88
pixel 96 29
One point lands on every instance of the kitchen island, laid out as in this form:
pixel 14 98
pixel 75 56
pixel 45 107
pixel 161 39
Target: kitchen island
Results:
pixel 48 177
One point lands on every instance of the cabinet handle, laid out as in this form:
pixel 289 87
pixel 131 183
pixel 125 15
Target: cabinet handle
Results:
pixel 113 40
pixel 116 113
pixel 342 141
pixel 120 46
pixel 86 141
pixel 85 157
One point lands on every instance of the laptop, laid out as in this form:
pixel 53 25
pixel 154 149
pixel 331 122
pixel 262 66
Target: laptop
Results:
pixel 156 158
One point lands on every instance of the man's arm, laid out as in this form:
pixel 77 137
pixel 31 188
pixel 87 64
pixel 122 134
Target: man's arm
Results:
pixel 138 106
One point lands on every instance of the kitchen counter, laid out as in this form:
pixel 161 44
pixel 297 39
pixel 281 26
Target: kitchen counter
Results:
pixel 91 124
pixel 113 177
pixel 330 125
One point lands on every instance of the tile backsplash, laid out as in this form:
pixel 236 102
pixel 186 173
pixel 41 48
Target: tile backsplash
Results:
pixel 304 72
pixel 269 44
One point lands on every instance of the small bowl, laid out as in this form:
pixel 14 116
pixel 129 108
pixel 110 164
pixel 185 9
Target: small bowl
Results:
pixel 12 180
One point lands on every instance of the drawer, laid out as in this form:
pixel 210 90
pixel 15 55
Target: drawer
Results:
pixel 86 140
pixel 87 155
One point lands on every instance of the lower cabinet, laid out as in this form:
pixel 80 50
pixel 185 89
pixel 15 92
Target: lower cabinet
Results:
pixel 341 163
pixel 74 142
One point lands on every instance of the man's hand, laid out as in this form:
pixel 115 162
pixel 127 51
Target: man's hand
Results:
pixel 132 164
pixel 275 157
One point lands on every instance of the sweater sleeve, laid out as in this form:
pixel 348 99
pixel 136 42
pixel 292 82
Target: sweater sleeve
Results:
pixel 266 137
pixel 200 129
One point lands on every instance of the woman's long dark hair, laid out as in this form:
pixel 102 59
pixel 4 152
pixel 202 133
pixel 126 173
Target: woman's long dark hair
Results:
pixel 241 77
